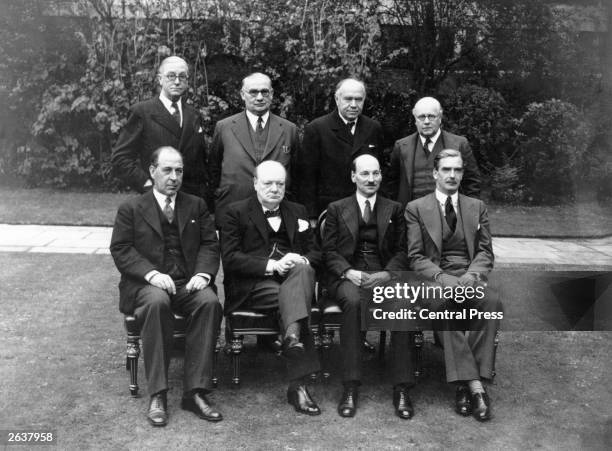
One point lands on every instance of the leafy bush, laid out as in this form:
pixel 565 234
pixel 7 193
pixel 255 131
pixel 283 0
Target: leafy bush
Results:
pixel 552 139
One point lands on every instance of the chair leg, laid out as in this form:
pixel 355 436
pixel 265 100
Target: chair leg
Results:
pixel 418 340
pixel 215 379
pixel 495 344
pixel 236 349
pixel 131 363
pixel 327 340
pixel 316 338
pixel 382 343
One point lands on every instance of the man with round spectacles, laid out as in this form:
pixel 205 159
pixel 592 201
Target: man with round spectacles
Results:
pixel 165 120
pixel 412 158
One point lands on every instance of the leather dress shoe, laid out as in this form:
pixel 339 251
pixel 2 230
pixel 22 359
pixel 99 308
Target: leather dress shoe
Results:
pixel 158 415
pixel 481 406
pixel 348 404
pixel 463 400
pixel 402 403
pixel 199 405
pixel 292 347
pixel 300 399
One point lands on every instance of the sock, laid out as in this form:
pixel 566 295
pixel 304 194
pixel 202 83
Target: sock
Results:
pixel 476 386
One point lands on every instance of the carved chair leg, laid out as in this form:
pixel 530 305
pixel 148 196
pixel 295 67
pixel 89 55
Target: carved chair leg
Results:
pixel 382 344
pixel 236 349
pixel 327 340
pixel 418 340
pixel 316 338
pixel 131 363
pixel 495 344
pixel 215 379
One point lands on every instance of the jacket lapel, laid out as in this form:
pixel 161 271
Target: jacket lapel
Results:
pixel 289 220
pixel 470 219
pixel 181 212
pixel 411 148
pixel 148 210
pixel 275 131
pixel 163 117
pixel 360 134
pixel 240 128
pixel 383 215
pixel 339 128
pixel 432 220
pixel 187 130
pixel 258 218
pixel 350 216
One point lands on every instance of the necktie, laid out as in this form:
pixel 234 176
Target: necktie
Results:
pixel 176 114
pixel 451 216
pixel 367 212
pixel 168 211
pixel 259 128
pixel 426 145
pixel 349 127
pixel 272 213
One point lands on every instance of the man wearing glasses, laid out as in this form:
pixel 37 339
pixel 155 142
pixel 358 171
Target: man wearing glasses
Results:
pixel 413 156
pixel 162 121
pixel 244 140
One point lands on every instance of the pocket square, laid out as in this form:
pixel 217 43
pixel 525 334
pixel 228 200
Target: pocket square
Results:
pixel 200 130
pixel 478 227
pixel 193 221
pixel 371 145
pixel 303 225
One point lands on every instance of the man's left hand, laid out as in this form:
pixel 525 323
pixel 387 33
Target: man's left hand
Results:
pixel 196 283
pixel 375 279
pixel 468 280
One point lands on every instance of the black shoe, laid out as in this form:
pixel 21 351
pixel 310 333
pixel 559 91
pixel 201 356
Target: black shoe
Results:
pixel 199 405
pixel 463 400
pixel 348 404
pixel 300 399
pixel 402 403
pixel 158 415
pixel 292 347
pixel 481 406
pixel 269 343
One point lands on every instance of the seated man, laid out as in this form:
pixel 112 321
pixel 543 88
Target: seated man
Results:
pixel 268 249
pixel 449 243
pixel 364 239
pixel 165 247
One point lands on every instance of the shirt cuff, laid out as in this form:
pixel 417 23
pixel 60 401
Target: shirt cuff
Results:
pixel 148 276
pixel 205 276
pixel 270 268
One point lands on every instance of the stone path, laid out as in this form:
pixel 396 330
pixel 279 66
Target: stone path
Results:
pixel 579 253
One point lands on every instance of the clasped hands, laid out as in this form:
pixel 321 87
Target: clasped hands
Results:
pixel 165 282
pixel 466 280
pixel 364 280
pixel 287 262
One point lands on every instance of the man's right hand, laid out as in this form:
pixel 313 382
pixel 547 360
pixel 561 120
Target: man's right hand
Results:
pixel 163 281
pixel 354 276
pixel 283 265
pixel 448 281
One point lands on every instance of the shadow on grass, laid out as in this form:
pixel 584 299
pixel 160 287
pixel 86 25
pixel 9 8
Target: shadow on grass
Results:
pixel 63 367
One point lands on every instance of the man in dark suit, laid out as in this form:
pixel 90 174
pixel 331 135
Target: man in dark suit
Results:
pixel 165 247
pixel 412 157
pixel 331 143
pixel 268 249
pixel 162 121
pixel 449 245
pixel 364 242
pixel 242 141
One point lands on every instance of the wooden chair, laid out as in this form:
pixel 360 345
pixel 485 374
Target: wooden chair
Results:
pixel 133 347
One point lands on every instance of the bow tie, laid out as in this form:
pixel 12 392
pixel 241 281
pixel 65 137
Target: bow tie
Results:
pixel 272 213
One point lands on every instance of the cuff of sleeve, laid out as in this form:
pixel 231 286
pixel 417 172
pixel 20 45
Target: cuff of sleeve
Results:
pixel 270 267
pixel 148 276
pixel 205 276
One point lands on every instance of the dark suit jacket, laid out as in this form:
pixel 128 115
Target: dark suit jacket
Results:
pixel 400 175
pixel 232 157
pixel 424 222
pixel 151 126
pixel 324 163
pixel 245 244
pixel 137 243
pixel 340 236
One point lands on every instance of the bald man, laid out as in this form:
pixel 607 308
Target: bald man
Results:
pixel 163 121
pixel 330 144
pixel 246 139
pixel 409 175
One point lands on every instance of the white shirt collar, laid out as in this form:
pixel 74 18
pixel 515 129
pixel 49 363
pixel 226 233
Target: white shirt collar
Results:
pixel 433 139
pixel 168 104
pixel 161 199
pixel 361 201
pixel 253 119
pixel 346 122
pixel 442 199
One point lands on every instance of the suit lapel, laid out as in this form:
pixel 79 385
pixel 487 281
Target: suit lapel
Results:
pixel 163 117
pixel 350 216
pixel 181 212
pixel 188 123
pixel 383 215
pixel 148 210
pixel 289 220
pixel 258 218
pixel 275 131
pixel 240 128
pixel 339 128
pixel 470 218
pixel 361 133
pixel 432 220
pixel 411 149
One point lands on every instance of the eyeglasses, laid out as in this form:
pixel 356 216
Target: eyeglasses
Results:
pixel 256 92
pixel 172 76
pixel 429 117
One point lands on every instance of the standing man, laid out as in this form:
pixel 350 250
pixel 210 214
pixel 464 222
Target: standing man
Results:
pixel 244 140
pixel 449 244
pixel 163 121
pixel 165 247
pixel 413 156
pixel 364 241
pixel 331 143
pixel 268 249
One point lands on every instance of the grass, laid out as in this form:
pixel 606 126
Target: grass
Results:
pixel 46 206
pixel 63 351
